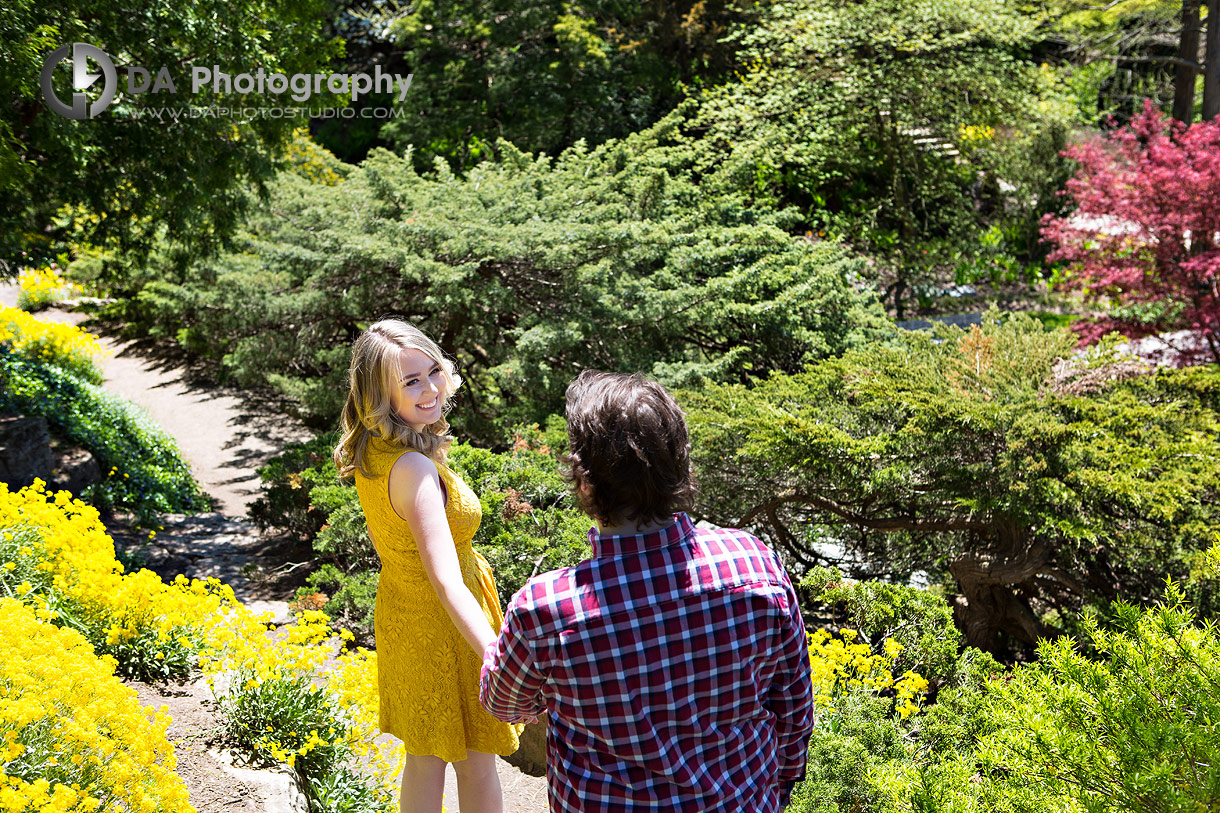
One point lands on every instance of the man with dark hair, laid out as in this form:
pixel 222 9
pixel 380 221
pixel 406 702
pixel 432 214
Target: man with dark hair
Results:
pixel 673 665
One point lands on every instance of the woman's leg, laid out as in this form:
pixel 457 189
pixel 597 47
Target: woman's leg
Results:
pixel 423 785
pixel 478 784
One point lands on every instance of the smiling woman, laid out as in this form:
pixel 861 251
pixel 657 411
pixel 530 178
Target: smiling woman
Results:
pixel 437 607
pixel 421 389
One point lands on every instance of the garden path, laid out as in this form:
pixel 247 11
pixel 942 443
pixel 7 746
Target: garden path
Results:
pixel 225 434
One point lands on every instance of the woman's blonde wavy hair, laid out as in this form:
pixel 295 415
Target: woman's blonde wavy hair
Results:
pixel 368 412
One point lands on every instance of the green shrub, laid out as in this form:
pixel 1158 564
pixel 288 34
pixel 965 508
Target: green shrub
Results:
pixel 1203 583
pixel 288 479
pixel 530 521
pixel 1035 479
pixel 959 717
pixel 145 472
pixel 1128 727
pixel 837 776
pixel 920 620
pixel 1132 728
pixel 879 723
pixel 344 539
pixel 620 238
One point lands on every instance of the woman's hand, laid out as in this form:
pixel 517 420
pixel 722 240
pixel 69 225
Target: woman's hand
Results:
pixel 415 494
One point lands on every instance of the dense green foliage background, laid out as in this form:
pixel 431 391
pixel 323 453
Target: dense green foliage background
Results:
pixel 526 271
pixel 129 180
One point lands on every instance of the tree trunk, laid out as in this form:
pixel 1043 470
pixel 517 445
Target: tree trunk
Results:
pixel 1188 51
pixel 1211 63
pixel 986 579
pixel 891 139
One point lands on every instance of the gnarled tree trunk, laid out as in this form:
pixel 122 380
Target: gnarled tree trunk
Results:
pixel 987 580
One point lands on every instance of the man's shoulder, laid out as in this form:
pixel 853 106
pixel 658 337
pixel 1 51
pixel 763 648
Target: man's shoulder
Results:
pixel 549 598
pixel 733 556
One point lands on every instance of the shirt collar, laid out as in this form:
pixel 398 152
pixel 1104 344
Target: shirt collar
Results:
pixel 622 544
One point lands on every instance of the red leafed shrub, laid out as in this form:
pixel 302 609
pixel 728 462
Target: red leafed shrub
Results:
pixel 1145 235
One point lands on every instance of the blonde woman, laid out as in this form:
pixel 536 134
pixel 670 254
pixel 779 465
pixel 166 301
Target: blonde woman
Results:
pixel 437 610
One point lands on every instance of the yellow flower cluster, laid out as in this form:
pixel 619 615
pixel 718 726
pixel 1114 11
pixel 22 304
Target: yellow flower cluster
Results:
pixel 39 287
pixel 841 664
pixel 61 545
pixel 77 556
pixel 51 342
pixel 972 135
pixel 71 727
pixel 251 661
pixel 353 684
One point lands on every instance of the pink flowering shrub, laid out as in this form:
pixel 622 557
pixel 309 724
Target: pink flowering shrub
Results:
pixel 1145 236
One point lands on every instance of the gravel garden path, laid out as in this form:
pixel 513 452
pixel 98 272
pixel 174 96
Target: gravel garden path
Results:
pixel 225 434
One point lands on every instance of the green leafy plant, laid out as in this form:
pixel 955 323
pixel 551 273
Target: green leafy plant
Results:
pixel 145 472
pixel 1121 720
pixel 1127 727
pixel 157 180
pixel 277 717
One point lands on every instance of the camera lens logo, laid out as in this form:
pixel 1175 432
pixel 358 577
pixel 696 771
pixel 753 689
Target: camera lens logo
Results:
pixel 81 80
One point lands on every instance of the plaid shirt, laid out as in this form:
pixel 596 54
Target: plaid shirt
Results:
pixel 673 668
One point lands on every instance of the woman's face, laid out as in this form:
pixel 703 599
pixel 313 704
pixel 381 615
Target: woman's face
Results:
pixel 420 389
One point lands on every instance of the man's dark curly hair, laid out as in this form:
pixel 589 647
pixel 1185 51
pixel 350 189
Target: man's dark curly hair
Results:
pixel 627 440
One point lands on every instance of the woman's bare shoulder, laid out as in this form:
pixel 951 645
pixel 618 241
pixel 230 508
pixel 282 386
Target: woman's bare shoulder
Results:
pixel 413 466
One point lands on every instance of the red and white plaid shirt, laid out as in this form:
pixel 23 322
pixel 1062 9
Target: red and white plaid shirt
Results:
pixel 673 669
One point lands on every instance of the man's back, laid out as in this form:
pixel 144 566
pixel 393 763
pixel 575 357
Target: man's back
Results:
pixel 673 668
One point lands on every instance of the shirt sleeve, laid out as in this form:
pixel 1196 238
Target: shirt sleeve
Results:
pixel 791 694
pixel 510 685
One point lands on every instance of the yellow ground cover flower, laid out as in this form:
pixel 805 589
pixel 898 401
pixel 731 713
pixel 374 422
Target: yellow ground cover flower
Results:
pixel 353 683
pixel 60 544
pixel 75 738
pixel 39 287
pixel 67 346
pixel 839 665
pixel 283 703
pixel 153 629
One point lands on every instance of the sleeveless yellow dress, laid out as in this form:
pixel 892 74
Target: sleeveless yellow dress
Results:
pixel 427 674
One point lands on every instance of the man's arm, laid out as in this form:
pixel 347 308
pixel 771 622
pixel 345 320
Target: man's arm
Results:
pixel 510 687
pixel 791 697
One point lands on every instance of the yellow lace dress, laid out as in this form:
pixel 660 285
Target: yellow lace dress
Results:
pixel 427 675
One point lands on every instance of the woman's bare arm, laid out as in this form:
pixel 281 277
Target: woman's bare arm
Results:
pixel 415 494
